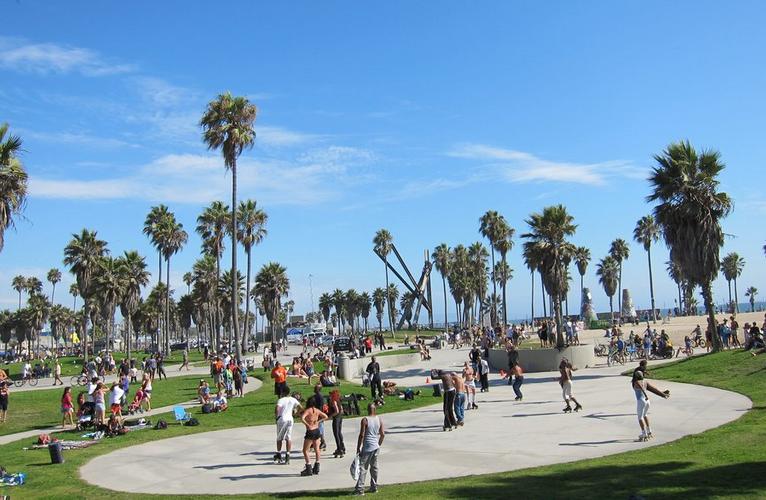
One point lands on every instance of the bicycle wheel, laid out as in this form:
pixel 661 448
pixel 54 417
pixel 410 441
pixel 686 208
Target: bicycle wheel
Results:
pixel 33 381
pixel 74 381
pixel 18 382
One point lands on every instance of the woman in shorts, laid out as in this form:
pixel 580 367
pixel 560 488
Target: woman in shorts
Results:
pixel 67 408
pixel 311 418
pixel 3 400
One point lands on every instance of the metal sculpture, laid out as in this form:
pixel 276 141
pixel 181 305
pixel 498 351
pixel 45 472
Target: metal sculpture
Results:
pixel 420 289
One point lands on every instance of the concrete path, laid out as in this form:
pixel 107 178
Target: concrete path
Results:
pixel 253 384
pixel 501 435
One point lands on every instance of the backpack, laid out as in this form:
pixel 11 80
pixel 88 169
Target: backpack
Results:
pixel 161 424
pixel 207 408
pixel 192 422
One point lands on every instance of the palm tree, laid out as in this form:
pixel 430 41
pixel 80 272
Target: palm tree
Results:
pixel 188 279
pixel 205 295
pixel 488 229
pixel 133 276
pixel 13 181
pixel 727 269
pixel 503 273
pixel 325 304
pixel 674 272
pixel 503 235
pixel 476 274
pixel 582 258
pixel 271 284
pixel 228 126
pixel 339 303
pixel 151 224
pixel 171 238
pixel 54 276
pixel 383 242
pixel 74 292
pixel 647 232
pixel 251 231
pixel 607 271
pixel 364 306
pixel 38 309
pixel 751 292
pixel 83 255
pixel 392 296
pixel 620 251
pixel 108 286
pixel 34 286
pixel 406 305
pixel 212 225
pixel 350 303
pixel 739 264
pixel 548 240
pixel 440 257
pixel 689 211
pixel 379 302
pixel 225 285
pixel 19 283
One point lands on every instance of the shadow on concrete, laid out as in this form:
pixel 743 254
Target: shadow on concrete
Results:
pixel 601 416
pixel 257 476
pixel 596 443
pixel 223 466
pixel 534 414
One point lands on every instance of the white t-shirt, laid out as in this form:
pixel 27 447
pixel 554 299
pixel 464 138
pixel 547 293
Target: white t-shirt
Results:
pixel 285 408
pixel 27 370
pixel 116 397
pixel 91 388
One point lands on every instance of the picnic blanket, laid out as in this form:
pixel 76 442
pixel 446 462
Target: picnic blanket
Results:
pixel 13 479
pixel 65 445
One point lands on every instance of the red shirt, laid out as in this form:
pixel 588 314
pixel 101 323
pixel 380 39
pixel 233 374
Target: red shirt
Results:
pixel 279 374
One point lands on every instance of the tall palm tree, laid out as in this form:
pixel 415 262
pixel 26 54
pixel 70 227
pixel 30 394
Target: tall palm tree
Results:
pixel 54 276
pixel 728 270
pixel 339 303
pixel 212 225
pixel 19 283
pixel 188 279
pixel 503 235
pixel 488 229
pixel 364 307
pixel 532 260
pixel 607 271
pixel 205 295
pixel 133 276
pixel 582 258
pixel 325 304
pixel 392 296
pixel 459 282
pixel 350 304
pixel 74 292
pixel 751 292
pixel 476 274
pixel 251 231
pixel 503 273
pixel 228 126
pixel 620 251
pixel 674 272
pixel 271 284
pixel 13 181
pixel 38 308
pixel 379 302
pixel 382 244
pixel 548 235
pixel 171 238
pixel 34 286
pixel 689 211
pixel 440 257
pixel 647 232
pixel 83 255
pixel 151 224
pixel 108 285
pixel 739 265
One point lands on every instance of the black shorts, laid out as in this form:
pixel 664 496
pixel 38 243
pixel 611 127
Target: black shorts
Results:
pixel 278 388
pixel 4 403
pixel 313 434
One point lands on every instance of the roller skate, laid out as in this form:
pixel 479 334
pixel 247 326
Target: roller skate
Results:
pixel 578 407
pixel 277 458
pixel 567 409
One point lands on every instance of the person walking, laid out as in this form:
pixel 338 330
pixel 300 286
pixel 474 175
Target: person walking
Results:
pixel 376 385
pixel 279 374
pixel 640 386
pixel 161 367
pixel 565 380
pixel 185 361
pixel 469 375
pixel 57 373
pixel 4 400
pixel 67 408
pixel 513 359
pixel 517 375
pixel 371 435
pixel 459 398
pixel 311 418
pixel 448 404
pixel 484 374
pixel 284 412
pixel 336 414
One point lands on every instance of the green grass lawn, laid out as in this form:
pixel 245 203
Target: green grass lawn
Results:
pixel 30 410
pixel 70 365
pixel 62 481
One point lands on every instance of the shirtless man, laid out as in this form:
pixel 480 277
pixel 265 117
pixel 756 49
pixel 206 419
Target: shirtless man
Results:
pixel 565 380
pixel 640 386
pixel 459 398
pixel 311 419
pixel 448 405
pixel 469 376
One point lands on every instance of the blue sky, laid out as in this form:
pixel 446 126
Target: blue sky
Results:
pixel 417 117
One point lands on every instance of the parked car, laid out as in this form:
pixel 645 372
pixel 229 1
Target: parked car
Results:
pixel 179 346
pixel 326 341
pixel 342 344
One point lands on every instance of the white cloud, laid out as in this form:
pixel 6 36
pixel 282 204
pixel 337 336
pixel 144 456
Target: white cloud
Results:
pixel 161 93
pixel 273 136
pixel 519 166
pixel 188 178
pixel 78 138
pixel 20 55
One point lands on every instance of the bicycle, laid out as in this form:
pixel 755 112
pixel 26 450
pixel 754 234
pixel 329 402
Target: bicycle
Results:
pixel 32 379
pixel 81 380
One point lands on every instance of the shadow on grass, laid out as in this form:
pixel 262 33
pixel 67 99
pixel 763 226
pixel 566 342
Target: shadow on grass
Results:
pixel 667 480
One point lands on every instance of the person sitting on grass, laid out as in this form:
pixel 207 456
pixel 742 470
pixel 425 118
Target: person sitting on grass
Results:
pixel 297 369
pixel 219 402
pixel 327 379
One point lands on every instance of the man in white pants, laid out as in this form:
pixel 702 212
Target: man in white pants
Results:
pixel 368 444
pixel 640 386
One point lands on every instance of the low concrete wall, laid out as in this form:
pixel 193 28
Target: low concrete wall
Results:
pixel 544 360
pixel 353 369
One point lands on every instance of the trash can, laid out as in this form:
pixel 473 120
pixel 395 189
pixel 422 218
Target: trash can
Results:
pixel 57 455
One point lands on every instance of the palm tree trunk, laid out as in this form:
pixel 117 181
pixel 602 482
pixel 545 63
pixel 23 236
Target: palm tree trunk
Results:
pixel 680 305
pixel 19 300
pixel 235 282
pixel 166 345
pixel 84 339
pixel 542 291
pixel 707 295
pixel 74 302
pixel 444 287
pixel 493 316
pixel 736 296
pixel 651 284
pixel 729 283
pixel 53 293
pixel 557 314
pixel 619 292
pixel 127 337
pixel 388 298
pixel 159 262
pixel 217 310
pixel 246 331
pixel 505 303
pixel 611 307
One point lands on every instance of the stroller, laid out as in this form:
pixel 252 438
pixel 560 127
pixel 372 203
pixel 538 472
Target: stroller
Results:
pixel 86 416
pixel 135 406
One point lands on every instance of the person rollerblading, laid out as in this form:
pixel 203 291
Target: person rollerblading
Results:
pixel 565 380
